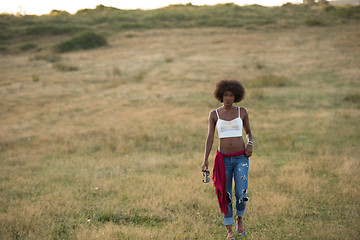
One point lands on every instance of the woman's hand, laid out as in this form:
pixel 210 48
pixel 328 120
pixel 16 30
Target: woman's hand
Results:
pixel 249 150
pixel 205 165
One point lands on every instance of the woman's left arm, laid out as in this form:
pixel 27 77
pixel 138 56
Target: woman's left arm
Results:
pixel 249 137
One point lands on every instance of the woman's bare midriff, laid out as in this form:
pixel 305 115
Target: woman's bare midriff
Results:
pixel 232 144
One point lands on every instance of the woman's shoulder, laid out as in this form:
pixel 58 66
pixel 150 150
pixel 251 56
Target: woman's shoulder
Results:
pixel 243 111
pixel 213 114
pixel 215 110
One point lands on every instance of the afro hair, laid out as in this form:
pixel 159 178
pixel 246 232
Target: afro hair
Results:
pixel 229 85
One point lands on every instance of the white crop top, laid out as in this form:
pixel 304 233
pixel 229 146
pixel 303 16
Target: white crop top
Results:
pixel 231 128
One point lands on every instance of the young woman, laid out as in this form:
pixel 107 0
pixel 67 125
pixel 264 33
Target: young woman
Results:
pixel 232 156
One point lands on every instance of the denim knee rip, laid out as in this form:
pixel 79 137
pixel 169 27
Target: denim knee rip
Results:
pixel 229 198
pixel 244 199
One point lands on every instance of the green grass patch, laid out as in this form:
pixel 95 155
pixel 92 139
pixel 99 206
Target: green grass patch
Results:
pixel 116 71
pixel 132 219
pixel 42 30
pixel 46 56
pixel 269 81
pixel 35 78
pixel 139 76
pixel 169 59
pixel 64 67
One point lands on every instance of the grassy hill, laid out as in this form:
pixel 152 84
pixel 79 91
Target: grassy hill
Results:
pixel 108 20
pixel 107 143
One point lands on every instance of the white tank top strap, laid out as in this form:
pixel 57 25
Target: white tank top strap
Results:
pixel 239 111
pixel 217 113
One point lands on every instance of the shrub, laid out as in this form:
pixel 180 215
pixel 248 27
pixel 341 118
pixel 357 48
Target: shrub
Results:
pixel 129 35
pixel 35 78
pixel 59 13
pixel 169 59
pixel 139 77
pixel 330 8
pixel 6 33
pixel 355 98
pixel 348 12
pixel 288 4
pixel 117 71
pixel 27 46
pixel 64 67
pixel 83 41
pixel 314 23
pixel 259 65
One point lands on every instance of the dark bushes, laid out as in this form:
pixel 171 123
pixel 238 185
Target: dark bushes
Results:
pixel 27 46
pixel 82 41
pixel 42 30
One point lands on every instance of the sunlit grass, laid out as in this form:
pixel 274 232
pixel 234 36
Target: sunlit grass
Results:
pixel 114 149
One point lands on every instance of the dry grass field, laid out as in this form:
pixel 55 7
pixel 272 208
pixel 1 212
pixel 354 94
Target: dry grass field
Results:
pixel 108 143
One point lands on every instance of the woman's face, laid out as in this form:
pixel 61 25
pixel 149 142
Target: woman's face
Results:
pixel 228 98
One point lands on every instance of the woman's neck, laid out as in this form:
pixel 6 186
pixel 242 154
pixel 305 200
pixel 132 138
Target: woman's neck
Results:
pixel 228 108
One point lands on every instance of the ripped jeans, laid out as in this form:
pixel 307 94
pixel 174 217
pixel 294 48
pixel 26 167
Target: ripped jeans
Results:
pixel 238 167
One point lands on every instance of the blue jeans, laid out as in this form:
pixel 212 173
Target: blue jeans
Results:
pixel 237 167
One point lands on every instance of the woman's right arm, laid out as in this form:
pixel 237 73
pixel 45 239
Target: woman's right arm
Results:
pixel 209 139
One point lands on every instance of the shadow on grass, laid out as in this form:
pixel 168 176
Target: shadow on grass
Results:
pixel 135 219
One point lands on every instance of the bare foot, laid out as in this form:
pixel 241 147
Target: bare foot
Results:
pixel 230 236
pixel 240 228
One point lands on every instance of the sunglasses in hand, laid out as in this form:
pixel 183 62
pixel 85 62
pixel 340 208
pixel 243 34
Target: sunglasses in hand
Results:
pixel 206 174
